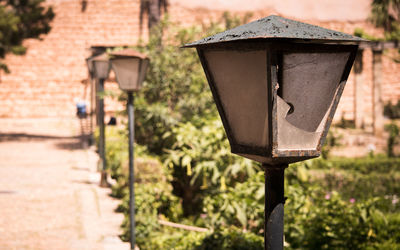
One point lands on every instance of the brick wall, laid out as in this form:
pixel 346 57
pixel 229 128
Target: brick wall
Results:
pixel 52 76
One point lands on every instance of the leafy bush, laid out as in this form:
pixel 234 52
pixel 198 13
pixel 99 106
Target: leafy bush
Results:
pixel 392 111
pixel 241 205
pixel 360 179
pixel 200 163
pixel 231 239
pixel 393 131
pixel 151 200
pixel 332 223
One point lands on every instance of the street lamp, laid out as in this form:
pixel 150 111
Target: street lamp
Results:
pixel 89 64
pixel 101 70
pixel 130 69
pixel 276 83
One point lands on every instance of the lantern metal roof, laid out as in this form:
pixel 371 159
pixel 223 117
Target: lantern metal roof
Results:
pixel 102 57
pixel 128 53
pixel 276 27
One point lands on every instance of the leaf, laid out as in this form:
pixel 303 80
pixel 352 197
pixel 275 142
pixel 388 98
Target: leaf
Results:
pixel 240 214
pixel 223 184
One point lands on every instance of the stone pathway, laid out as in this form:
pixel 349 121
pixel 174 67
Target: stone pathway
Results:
pixel 49 193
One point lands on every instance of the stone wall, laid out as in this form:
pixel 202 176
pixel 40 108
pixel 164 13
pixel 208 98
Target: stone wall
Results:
pixel 52 76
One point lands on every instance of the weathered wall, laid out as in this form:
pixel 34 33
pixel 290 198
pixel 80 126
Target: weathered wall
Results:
pixel 48 80
pixel 52 75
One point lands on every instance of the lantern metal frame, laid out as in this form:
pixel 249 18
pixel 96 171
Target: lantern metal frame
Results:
pixel 128 54
pixel 102 58
pixel 274 61
pixel 283 37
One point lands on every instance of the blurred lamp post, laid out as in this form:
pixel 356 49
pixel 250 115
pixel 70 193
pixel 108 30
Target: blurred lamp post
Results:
pixel 89 63
pixel 101 70
pixel 130 67
pixel 276 83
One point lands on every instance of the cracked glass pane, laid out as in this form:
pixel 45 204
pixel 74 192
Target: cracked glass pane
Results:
pixel 309 84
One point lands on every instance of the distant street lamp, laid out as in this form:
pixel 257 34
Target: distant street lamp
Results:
pixel 101 70
pixel 276 83
pixel 130 69
pixel 89 63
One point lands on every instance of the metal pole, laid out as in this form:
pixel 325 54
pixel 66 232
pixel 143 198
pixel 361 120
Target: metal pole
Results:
pixel 274 211
pixel 92 102
pixel 131 126
pixel 102 142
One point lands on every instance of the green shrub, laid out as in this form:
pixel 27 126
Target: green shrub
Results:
pixel 151 201
pixel 241 205
pixel 393 131
pixel 231 239
pixel 361 179
pixel 173 239
pixel 392 111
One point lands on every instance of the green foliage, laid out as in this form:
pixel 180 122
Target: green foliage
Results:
pixel 174 90
pixel 360 165
pixel 173 239
pixel 200 163
pixel 392 111
pixel 361 179
pixel 361 33
pixel 232 21
pixel 153 10
pixel 393 131
pixel 152 200
pixel 319 216
pixel 20 20
pixel 386 14
pixel 241 205
pixel 332 140
pixel 344 123
pixel 331 223
pixel 231 239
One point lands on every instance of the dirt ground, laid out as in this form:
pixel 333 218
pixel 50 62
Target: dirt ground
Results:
pixel 49 193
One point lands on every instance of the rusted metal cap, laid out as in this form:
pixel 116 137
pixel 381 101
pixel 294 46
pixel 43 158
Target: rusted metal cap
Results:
pixel 276 27
pixel 128 53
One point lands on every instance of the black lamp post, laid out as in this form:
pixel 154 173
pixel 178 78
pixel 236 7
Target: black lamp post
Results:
pixel 130 69
pixel 89 63
pixel 101 70
pixel 276 83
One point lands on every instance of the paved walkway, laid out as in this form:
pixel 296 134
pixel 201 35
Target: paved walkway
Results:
pixel 49 193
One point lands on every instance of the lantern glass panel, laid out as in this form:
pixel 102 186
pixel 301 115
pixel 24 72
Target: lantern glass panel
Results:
pixel 240 79
pixel 101 69
pixel 127 72
pixel 143 68
pixel 309 85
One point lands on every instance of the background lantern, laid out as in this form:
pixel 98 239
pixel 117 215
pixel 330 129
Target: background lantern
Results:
pixel 101 66
pixel 101 70
pixel 89 64
pixel 130 69
pixel 276 83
